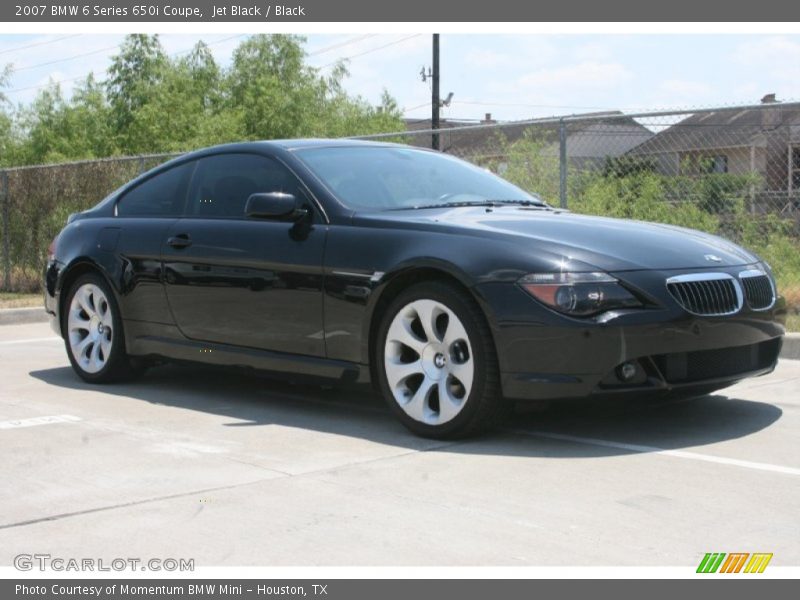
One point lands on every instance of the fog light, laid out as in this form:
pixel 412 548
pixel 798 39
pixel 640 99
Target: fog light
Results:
pixel 626 371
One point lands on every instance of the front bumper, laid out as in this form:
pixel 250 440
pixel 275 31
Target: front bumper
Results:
pixel 544 355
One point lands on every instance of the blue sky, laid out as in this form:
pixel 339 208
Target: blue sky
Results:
pixel 511 76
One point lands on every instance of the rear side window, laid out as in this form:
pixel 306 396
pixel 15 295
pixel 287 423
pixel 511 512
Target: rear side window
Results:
pixel 223 183
pixel 160 196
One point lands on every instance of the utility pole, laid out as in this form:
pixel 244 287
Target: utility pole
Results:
pixel 435 102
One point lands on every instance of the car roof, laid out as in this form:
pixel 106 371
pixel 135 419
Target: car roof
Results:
pixel 293 144
pixel 287 145
pixel 326 143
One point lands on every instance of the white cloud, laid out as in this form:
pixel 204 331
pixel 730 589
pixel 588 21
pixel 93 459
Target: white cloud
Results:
pixel 586 75
pixel 778 57
pixel 489 59
pixel 593 51
pixel 516 51
pixel 684 92
pixel 748 89
pixel 766 50
pixel 32 72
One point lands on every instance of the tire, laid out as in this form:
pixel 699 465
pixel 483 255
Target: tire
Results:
pixel 93 333
pixel 440 379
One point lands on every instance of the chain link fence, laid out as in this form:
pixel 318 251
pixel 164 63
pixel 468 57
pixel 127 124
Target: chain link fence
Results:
pixel 37 200
pixel 732 171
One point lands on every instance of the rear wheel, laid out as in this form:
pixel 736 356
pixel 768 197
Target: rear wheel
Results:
pixel 436 363
pixel 93 332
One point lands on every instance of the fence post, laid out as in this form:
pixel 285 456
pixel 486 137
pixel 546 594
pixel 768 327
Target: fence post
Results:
pixel 562 162
pixel 4 199
pixel 141 165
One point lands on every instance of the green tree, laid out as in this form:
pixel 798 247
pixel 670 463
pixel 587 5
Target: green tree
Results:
pixel 44 120
pixel 275 94
pixel 7 145
pixel 5 76
pixel 152 103
pixel 205 74
pixel 57 129
pixel 90 121
pixel 184 108
pixel 272 88
pixel 530 162
pixel 641 196
pixel 6 139
pixel 134 72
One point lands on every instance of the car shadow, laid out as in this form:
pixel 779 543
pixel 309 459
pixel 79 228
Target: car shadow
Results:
pixel 535 429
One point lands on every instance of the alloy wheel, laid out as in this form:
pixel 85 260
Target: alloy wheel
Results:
pixel 90 328
pixel 428 362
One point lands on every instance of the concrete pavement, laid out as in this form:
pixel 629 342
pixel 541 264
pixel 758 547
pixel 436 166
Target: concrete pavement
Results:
pixel 231 469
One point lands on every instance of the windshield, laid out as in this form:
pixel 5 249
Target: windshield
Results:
pixel 397 178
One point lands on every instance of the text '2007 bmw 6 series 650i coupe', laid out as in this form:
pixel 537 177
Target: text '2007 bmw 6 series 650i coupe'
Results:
pixel 450 289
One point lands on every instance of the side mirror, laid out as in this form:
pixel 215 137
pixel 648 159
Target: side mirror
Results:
pixel 274 205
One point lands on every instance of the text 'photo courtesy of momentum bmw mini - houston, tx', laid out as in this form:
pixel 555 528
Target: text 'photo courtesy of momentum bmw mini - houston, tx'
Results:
pixel 451 290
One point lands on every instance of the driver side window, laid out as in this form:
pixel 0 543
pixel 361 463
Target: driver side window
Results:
pixel 223 183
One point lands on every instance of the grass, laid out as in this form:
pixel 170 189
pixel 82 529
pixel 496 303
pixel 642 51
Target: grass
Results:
pixel 15 300
pixel 792 295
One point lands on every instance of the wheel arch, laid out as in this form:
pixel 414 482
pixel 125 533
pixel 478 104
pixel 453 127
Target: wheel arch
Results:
pixel 393 284
pixel 77 268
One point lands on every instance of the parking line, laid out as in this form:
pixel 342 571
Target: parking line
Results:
pixel 52 338
pixel 735 462
pixel 32 422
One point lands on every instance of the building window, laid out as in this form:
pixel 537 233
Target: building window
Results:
pixel 718 164
pixel 794 169
pixel 698 164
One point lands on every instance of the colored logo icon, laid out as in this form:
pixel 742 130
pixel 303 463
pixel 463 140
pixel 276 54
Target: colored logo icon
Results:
pixel 734 562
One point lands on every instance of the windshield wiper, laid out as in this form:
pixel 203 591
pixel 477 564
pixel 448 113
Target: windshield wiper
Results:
pixel 490 203
pixel 540 203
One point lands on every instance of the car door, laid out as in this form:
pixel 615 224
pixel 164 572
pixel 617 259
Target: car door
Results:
pixel 245 281
pixel 144 214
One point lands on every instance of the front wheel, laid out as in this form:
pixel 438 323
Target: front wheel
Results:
pixel 93 332
pixel 436 363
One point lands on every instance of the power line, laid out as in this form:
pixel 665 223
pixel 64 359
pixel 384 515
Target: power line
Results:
pixel 44 85
pixel 354 40
pixel 71 79
pixel 117 46
pixel 408 110
pixel 221 41
pixel 523 105
pixel 375 49
pixel 42 43
pixel 66 59
pixel 321 51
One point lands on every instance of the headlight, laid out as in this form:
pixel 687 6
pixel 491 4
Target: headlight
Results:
pixel 578 294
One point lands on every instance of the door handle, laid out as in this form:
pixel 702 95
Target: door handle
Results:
pixel 182 240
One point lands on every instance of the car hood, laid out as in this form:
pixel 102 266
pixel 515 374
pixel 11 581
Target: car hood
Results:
pixel 607 243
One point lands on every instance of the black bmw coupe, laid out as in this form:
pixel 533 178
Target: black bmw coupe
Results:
pixel 450 289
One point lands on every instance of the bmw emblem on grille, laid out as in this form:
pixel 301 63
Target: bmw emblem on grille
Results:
pixel 712 258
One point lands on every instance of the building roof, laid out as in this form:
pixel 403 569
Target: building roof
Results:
pixel 725 128
pixel 594 135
